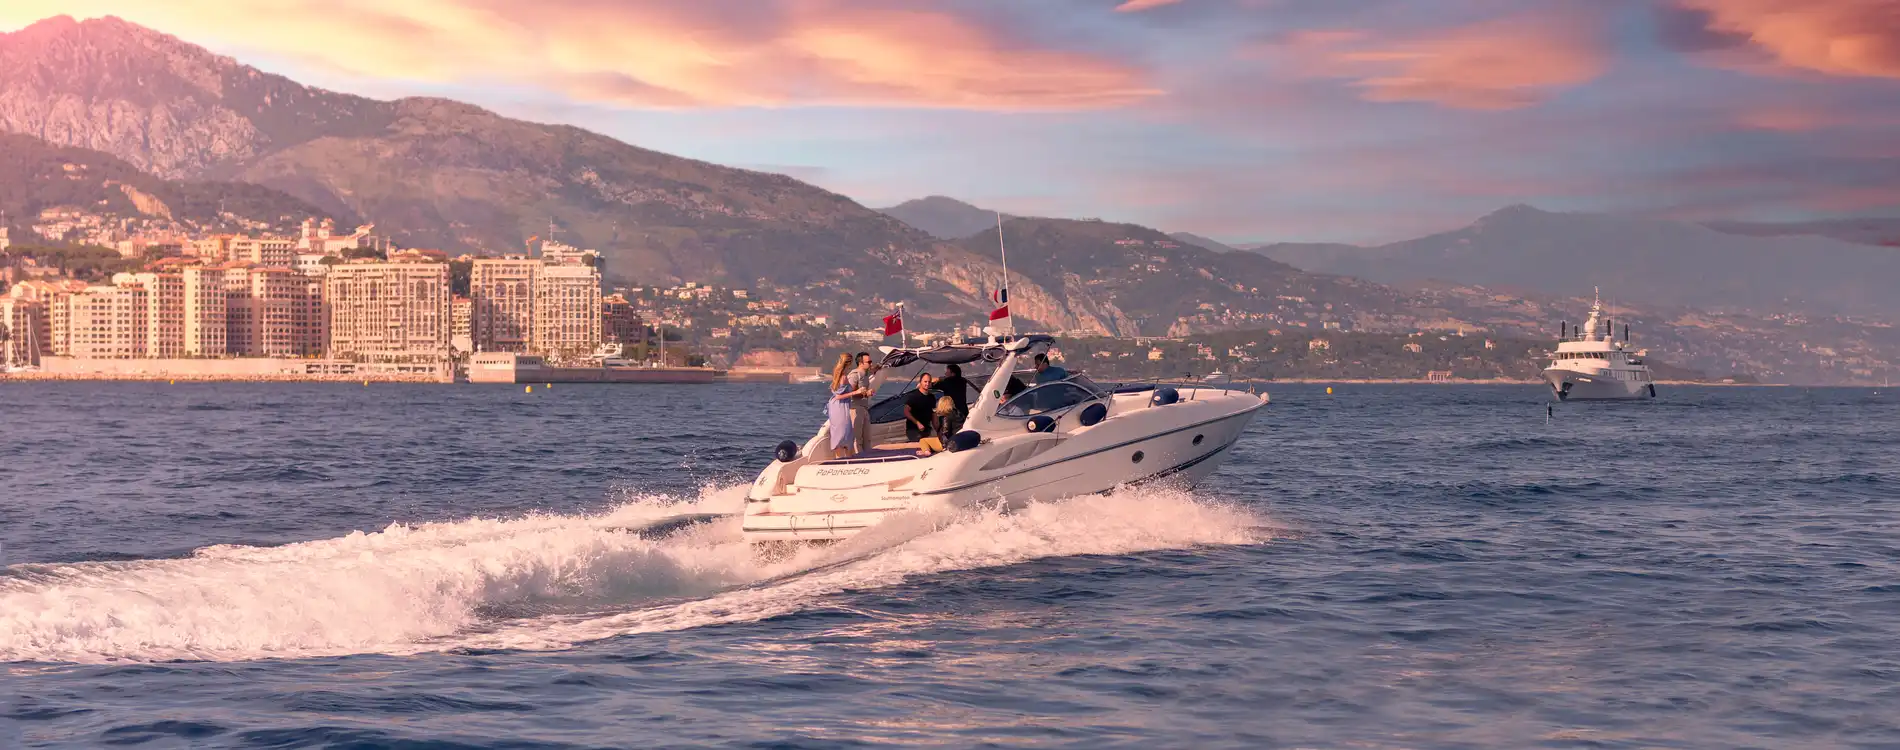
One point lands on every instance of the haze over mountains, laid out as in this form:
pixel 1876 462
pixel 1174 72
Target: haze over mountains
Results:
pixel 1865 231
pixel 1638 260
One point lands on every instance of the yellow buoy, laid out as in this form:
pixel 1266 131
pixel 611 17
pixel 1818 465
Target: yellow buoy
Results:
pixel 527 389
pixel 1329 390
pixel 550 385
pixel 365 384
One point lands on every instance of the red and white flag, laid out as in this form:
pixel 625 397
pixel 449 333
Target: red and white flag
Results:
pixel 894 322
pixel 1001 298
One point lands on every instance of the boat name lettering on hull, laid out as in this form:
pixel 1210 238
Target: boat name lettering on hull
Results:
pixel 842 472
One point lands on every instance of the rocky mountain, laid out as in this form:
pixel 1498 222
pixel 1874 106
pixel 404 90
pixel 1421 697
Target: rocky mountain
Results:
pixel 36 175
pixel 943 218
pixel 1639 260
pixel 437 173
pixel 1866 231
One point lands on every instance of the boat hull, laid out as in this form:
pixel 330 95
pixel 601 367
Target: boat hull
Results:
pixel 1570 385
pixel 1089 461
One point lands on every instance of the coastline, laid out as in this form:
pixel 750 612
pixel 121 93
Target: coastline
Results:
pixel 210 378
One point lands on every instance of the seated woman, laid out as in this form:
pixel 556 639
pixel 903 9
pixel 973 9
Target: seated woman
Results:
pixel 947 422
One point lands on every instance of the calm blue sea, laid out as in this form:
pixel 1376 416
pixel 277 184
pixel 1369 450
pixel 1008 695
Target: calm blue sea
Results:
pixel 203 566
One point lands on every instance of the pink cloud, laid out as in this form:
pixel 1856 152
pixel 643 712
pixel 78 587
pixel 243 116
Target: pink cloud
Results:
pixel 1133 6
pixel 675 53
pixel 1836 37
pixel 1504 64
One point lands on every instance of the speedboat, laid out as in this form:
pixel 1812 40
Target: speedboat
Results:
pixel 1048 441
pixel 1591 365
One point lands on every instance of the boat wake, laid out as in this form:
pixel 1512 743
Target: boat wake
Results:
pixel 539 582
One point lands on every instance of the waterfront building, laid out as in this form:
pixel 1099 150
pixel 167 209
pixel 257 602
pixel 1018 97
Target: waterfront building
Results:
pixel 461 316
pixel 164 312
pixel 25 328
pixel 272 312
pixel 620 321
pixel 388 312
pixel 567 311
pixel 502 293
pixel 205 303
pixel 107 321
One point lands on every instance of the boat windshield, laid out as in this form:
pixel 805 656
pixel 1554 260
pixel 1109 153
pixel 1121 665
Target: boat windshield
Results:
pixel 1044 399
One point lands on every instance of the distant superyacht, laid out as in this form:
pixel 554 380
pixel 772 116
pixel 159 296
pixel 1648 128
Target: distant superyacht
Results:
pixel 1591 365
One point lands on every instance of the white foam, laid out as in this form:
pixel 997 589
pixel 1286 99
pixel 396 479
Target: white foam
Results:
pixel 471 583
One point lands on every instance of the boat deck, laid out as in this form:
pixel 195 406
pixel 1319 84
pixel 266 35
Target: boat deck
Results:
pixel 877 455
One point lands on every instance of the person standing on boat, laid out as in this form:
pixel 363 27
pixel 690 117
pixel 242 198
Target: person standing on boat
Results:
pixel 838 410
pixel 957 388
pixel 1048 373
pixel 861 392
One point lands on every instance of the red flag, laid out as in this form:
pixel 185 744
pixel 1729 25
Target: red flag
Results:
pixel 999 313
pixel 894 323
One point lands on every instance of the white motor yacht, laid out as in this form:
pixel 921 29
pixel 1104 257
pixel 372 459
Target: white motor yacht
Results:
pixel 1591 365
pixel 1047 441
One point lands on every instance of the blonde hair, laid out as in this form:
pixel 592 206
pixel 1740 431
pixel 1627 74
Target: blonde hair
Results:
pixel 845 363
pixel 946 405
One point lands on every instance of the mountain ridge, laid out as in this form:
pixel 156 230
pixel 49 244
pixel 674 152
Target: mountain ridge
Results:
pixel 942 217
pixel 1655 261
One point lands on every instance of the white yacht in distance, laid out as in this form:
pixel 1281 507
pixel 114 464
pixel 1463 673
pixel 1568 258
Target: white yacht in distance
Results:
pixel 1046 441
pixel 1591 365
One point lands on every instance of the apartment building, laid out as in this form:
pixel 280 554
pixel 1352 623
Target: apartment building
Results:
pixel 25 328
pixel 461 316
pixel 206 304
pixel 388 312
pixel 620 321
pixel 264 251
pixel 272 312
pixel 164 312
pixel 502 292
pixel 566 311
pixel 107 322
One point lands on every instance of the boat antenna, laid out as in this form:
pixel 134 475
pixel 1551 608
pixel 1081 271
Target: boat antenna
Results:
pixel 1003 249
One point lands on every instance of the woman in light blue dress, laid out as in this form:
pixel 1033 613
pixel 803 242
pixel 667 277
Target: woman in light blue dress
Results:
pixel 838 410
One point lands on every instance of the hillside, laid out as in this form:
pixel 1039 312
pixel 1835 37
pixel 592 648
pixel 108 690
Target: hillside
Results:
pixel 941 217
pixel 1639 260
pixel 36 175
pixel 436 173
pixel 1138 281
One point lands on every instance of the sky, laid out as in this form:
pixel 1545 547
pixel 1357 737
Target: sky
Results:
pixel 1243 120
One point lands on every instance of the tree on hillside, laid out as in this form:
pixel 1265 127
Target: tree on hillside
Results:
pixel 460 272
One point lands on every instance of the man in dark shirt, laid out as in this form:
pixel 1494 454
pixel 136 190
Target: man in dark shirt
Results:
pixel 1048 373
pixel 920 408
pixel 958 389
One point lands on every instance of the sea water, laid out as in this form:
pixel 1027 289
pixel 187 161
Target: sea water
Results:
pixel 1384 566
